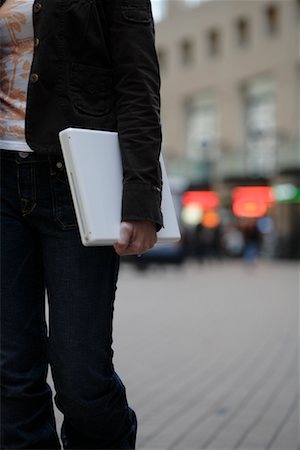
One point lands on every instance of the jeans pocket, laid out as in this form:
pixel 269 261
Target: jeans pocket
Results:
pixel 64 211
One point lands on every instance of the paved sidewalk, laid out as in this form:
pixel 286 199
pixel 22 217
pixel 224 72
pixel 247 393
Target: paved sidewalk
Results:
pixel 209 355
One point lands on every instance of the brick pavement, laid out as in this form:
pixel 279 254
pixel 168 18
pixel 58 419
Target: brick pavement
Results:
pixel 209 355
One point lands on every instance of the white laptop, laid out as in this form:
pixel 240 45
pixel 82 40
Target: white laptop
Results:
pixel 94 168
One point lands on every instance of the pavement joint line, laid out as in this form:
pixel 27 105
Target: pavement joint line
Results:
pixel 220 400
pixel 285 432
pixel 171 376
pixel 245 400
pixel 195 375
pixel 204 416
pixel 184 369
pixel 234 359
pixel 267 404
pixel 208 442
pixel 195 400
pixel 283 422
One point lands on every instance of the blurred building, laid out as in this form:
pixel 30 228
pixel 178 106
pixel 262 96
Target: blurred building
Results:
pixel 231 92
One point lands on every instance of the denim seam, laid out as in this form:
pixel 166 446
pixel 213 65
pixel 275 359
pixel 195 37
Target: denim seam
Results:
pixel 33 183
pixel 56 209
pixel 27 212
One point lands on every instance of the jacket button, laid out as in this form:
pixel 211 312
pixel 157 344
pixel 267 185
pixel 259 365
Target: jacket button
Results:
pixel 59 165
pixel 37 7
pixel 34 77
pixel 36 42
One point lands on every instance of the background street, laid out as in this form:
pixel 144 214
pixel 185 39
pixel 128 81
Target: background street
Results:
pixel 209 355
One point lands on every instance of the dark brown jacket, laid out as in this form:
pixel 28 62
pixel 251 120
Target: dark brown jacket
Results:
pixel 95 66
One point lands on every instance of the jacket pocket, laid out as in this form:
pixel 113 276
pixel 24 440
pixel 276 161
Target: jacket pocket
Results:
pixel 91 89
pixel 138 11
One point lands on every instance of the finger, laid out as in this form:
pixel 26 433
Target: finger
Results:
pixel 136 249
pixel 141 246
pixel 118 249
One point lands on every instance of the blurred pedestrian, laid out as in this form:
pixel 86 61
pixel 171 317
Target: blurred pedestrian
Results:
pixel 89 64
pixel 233 241
pixel 252 239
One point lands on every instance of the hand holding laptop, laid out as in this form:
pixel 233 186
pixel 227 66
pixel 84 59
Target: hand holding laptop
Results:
pixel 136 237
pixel 94 169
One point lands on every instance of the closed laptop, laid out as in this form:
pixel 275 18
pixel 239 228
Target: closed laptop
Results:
pixel 94 168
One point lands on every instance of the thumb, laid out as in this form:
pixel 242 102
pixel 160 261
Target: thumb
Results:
pixel 126 230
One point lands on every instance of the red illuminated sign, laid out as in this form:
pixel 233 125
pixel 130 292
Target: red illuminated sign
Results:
pixel 206 200
pixel 251 201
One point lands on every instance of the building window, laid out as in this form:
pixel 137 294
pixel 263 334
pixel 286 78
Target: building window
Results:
pixel 297 3
pixel 187 52
pixel 242 31
pixel 162 59
pixel 272 17
pixel 201 128
pixel 299 109
pixel 260 122
pixel 214 42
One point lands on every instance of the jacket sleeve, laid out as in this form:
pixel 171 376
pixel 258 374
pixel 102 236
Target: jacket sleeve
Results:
pixel 136 81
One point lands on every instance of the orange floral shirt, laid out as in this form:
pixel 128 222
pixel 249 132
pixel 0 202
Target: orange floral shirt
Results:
pixel 16 36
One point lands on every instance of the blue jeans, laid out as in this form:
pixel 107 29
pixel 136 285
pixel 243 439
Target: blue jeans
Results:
pixel 41 250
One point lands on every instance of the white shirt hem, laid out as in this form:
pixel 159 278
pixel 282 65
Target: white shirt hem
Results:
pixel 15 145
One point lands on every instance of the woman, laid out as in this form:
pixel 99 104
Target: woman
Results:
pixel 89 64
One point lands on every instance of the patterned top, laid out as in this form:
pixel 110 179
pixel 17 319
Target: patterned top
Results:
pixel 16 36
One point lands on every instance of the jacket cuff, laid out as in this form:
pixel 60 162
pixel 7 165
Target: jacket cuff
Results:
pixel 142 201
